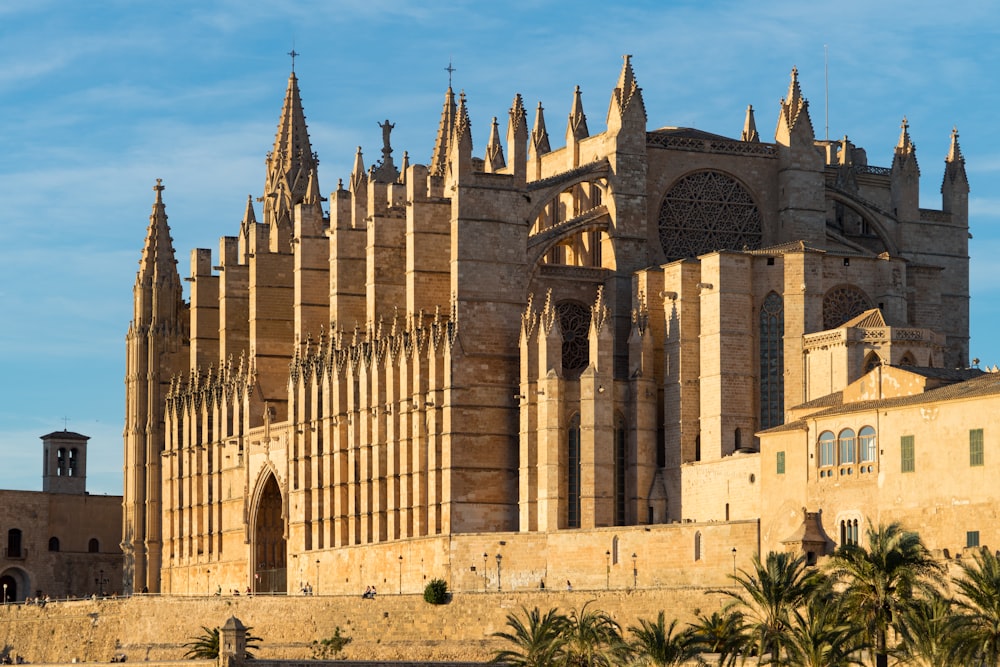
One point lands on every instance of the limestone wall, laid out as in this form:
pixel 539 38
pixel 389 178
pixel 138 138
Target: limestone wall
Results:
pixel 390 627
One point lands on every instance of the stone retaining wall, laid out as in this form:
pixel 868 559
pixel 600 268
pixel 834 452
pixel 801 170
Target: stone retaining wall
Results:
pixel 388 628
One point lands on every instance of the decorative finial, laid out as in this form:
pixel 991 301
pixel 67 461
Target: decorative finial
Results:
pixel 449 69
pixel 159 187
pixel 293 54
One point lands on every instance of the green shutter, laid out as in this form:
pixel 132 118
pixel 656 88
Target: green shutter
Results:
pixel 781 463
pixel 908 460
pixel 976 447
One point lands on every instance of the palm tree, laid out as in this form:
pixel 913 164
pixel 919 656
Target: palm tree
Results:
pixel 880 580
pixel 538 639
pixel 767 596
pixel 978 622
pixel 721 633
pixel 927 632
pixel 654 643
pixel 206 645
pixel 821 637
pixel 592 639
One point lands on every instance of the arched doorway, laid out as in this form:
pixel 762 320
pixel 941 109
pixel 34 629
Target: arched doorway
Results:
pixel 13 584
pixel 269 541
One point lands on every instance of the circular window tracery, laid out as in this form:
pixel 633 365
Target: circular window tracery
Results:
pixel 842 304
pixel 708 211
pixel 574 321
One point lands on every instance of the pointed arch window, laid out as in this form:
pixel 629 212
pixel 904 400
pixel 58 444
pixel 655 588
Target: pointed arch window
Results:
pixel 621 460
pixel 772 361
pixel 872 361
pixel 573 473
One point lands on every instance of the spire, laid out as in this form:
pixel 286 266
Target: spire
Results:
pixel 439 159
pixel 158 268
pixel 750 127
pixel 577 126
pixel 794 108
pixel 539 135
pixel 463 127
pixel 954 168
pixel 290 161
pixel 954 150
pixel 517 138
pixel 358 175
pixel 627 93
pixel 249 218
pixel 461 141
pixel 906 150
pixel 494 150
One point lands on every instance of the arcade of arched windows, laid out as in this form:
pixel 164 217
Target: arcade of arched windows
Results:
pixel 568 204
pixel 581 249
pixel 847 453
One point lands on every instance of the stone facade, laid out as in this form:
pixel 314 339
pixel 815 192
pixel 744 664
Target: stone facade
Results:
pixel 536 345
pixel 901 444
pixel 62 541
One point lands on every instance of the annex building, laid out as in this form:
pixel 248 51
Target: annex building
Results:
pixel 557 359
pixel 61 541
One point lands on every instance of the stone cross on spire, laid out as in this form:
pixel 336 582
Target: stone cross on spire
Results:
pixel 293 54
pixel 449 69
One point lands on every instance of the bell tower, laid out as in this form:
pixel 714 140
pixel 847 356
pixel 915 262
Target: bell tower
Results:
pixel 64 466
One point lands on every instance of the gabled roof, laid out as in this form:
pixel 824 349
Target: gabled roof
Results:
pixel 870 319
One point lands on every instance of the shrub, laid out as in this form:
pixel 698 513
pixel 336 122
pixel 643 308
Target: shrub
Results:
pixel 328 648
pixel 436 591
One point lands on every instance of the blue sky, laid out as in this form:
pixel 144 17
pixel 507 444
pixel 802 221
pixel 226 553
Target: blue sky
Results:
pixel 100 98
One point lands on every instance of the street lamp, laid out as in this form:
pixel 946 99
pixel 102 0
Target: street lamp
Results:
pixel 100 582
pixel 635 572
pixel 400 574
pixel 5 595
pixel 607 582
pixel 499 558
pixel 484 572
pixel 317 573
pixel 734 561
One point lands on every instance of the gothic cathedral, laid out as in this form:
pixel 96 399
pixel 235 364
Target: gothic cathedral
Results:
pixel 537 341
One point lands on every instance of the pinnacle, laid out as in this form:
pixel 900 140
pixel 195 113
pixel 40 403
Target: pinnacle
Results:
pixel 750 127
pixel 539 135
pixel 577 127
pixel 954 150
pixel 494 149
pixel 440 156
pixel 518 116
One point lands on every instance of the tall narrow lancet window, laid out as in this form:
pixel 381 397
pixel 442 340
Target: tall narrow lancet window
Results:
pixel 621 460
pixel 574 321
pixel 573 473
pixel 772 361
